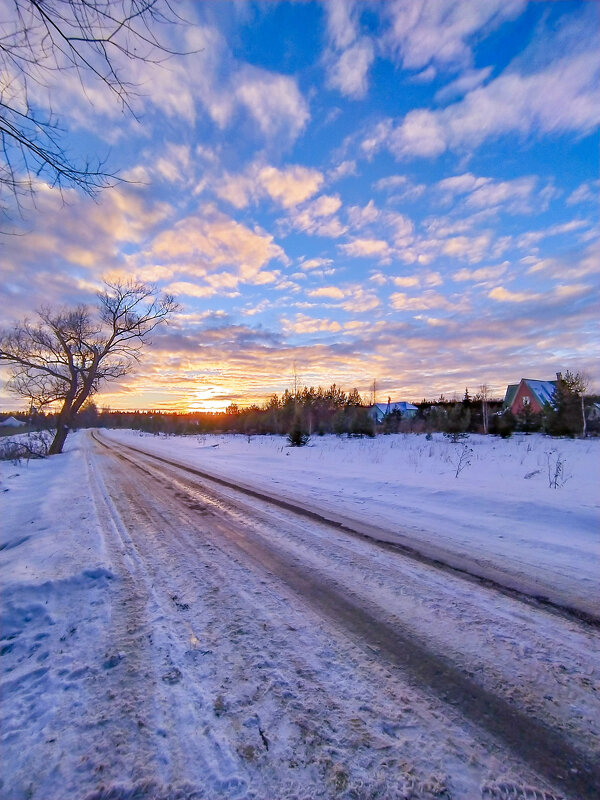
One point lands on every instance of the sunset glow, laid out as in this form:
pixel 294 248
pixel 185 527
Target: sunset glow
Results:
pixel 337 192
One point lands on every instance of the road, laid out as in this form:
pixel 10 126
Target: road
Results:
pixel 242 650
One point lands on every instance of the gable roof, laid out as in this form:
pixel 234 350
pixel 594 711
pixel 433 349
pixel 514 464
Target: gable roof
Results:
pixel 381 409
pixel 11 422
pixel 543 391
pixel 511 391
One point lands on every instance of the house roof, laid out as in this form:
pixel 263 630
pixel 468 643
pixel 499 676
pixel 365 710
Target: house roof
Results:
pixel 511 391
pixel 543 391
pixel 11 422
pixel 401 406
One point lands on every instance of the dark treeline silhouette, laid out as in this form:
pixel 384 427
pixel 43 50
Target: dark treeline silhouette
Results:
pixel 315 412
pixel 308 412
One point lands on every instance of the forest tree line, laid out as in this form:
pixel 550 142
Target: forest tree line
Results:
pixel 317 411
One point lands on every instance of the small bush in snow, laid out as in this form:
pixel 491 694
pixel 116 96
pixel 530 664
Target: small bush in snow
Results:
pixel 298 436
pixel 556 470
pixel 34 445
pixel 457 422
pixel 464 460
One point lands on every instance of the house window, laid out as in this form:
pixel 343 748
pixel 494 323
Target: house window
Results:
pixel 526 401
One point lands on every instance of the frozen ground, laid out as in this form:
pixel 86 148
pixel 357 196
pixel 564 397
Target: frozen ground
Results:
pixel 500 516
pixel 163 639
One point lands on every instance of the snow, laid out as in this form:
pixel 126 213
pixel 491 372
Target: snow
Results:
pixel 143 656
pixel 500 517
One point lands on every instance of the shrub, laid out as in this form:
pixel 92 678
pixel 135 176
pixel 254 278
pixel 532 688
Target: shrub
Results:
pixel 34 445
pixel 362 423
pixel 298 436
pixel 503 424
pixel 457 422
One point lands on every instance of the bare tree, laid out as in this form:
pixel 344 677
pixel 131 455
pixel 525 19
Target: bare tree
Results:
pixel 484 394
pixel 65 356
pixel 95 38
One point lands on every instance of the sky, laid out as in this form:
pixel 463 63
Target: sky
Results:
pixel 403 192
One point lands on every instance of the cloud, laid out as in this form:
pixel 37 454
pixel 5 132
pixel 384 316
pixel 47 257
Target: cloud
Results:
pixel 350 55
pixel 359 217
pixel 401 226
pixel 566 267
pixel 422 133
pixel 470 248
pixel 561 97
pixel 362 248
pixel 360 300
pixel 515 194
pixel 503 295
pixel 348 73
pixel 341 22
pixel 555 296
pixel 343 169
pixel 250 311
pixel 468 81
pixel 237 190
pixel 287 187
pixel 174 165
pixel 303 324
pixel 190 289
pixel 429 299
pixel 423 32
pixel 316 263
pixel 402 187
pixel 481 274
pixel 211 240
pixel 327 291
pixel 407 281
pixel 73 241
pixel 587 192
pixel 317 217
pixel 485 193
pixel 292 185
pixel 274 101
pixel 531 238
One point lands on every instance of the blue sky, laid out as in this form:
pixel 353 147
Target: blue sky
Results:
pixel 404 192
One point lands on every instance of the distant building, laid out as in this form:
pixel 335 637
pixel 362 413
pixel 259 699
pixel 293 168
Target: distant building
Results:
pixel 592 412
pixel 530 393
pixel 380 411
pixel 11 422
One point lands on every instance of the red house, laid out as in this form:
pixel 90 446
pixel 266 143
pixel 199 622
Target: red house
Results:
pixel 531 393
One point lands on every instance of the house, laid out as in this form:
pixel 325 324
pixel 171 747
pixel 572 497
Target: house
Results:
pixel 11 422
pixel 380 411
pixel 592 412
pixel 530 394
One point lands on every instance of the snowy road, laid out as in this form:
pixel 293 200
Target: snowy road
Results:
pixel 207 644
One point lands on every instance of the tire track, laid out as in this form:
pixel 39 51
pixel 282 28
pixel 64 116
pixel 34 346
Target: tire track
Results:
pixel 468 569
pixel 545 750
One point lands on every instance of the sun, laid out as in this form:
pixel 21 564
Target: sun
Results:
pixel 207 400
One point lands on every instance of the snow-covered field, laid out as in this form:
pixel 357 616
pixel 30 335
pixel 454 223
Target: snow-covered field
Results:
pixel 145 655
pixel 500 514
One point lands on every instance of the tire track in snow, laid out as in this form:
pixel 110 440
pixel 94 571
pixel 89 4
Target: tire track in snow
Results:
pixel 153 702
pixel 544 749
pixel 466 567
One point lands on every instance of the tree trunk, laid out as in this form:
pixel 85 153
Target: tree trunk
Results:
pixel 60 437
pixel 63 426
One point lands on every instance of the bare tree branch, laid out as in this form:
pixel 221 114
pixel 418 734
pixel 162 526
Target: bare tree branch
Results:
pixel 68 353
pixel 96 39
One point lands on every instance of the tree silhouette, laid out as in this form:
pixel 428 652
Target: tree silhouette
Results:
pixel 66 355
pixel 94 38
